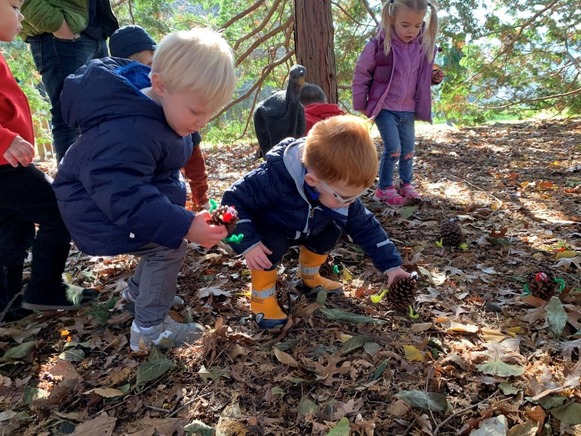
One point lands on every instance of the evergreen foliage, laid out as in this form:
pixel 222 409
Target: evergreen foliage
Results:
pixel 500 57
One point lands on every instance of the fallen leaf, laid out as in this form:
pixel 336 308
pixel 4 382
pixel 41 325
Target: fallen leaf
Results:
pixel 65 369
pixel 341 429
pixel 355 318
pixel 455 327
pixel 106 392
pixel 199 428
pixel 7 415
pixel 489 334
pixel 413 354
pixel 398 408
pixel 424 400
pixel 102 425
pixel 556 315
pixel 20 352
pixel 529 428
pixel 285 358
pixel 495 426
pixel 307 407
pixel 421 327
pixel 570 413
pixel 149 371
pixel 501 369
pixel 565 254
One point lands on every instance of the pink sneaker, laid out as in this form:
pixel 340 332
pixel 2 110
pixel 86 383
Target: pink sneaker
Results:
pixel 408 191
pixel 389 196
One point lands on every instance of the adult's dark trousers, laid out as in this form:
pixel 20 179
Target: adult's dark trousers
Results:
pixel 55 59
pixel 320 243
pixel 26 199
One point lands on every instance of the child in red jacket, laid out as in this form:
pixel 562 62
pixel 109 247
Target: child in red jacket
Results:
pixel 27 199
pixel 316 107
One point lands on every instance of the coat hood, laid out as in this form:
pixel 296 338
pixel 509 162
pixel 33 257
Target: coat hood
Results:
pixel 106 89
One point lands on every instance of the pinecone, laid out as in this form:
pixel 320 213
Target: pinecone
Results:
pixel 402 292
pixel 541 284
pixel 226 216
pixel 451 233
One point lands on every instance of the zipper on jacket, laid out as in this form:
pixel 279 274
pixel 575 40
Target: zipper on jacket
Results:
pixel 307 229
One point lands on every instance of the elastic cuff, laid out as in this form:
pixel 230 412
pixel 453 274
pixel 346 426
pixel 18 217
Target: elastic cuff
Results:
pixel 387 271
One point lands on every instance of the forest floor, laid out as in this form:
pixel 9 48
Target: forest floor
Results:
pixel 479 356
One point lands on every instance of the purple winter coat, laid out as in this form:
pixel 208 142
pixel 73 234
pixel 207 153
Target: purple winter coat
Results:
pixel 372 80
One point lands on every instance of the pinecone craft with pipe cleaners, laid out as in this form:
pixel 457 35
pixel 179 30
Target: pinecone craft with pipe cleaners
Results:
pixel 402 292
pixel 451 233
pixel 226 216
pixel 542 284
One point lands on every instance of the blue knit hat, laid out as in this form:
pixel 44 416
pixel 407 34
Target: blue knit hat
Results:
pixel 128 40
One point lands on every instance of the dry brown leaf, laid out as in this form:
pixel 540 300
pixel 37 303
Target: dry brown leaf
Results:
pixel 454 327
pixel 102 425
pixel 398 408
pixel 328 373
pixel 285 359
pixel 65 369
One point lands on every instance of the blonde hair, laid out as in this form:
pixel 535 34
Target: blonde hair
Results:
pixel 197 60
pixel 389 11
pixel 341 149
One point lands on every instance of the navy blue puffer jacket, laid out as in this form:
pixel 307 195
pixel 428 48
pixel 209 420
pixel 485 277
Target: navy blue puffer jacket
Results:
pixel 118 186
pixel 274 194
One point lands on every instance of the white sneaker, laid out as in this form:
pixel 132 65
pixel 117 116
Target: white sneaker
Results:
pixel 129 305
pixel 168 334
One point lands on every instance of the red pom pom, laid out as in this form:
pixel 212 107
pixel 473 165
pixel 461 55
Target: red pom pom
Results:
pixel 227 217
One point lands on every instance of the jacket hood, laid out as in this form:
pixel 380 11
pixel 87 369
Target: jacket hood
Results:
pixel 106 89
pixel 292 158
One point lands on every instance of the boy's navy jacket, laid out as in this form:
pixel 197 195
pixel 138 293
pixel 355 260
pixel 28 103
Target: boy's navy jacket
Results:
pixel 118 186
pixel 274 195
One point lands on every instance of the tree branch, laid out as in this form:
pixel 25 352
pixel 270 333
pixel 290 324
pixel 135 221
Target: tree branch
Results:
pixel 370 11
pixel 532 100
pixel 573 59
pixel 265 72
pixel 261 26
pixel 263 38
pixel 534 17
pixel 242 14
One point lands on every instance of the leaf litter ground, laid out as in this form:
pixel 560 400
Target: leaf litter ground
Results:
pixel 478 357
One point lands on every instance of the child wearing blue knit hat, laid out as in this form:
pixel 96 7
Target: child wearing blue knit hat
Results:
pixel 132 42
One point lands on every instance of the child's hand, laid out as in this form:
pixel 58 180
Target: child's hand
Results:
pixel 203 233
pixel 257 258
pixel 20 152
pixel 394 273
pixel 65 32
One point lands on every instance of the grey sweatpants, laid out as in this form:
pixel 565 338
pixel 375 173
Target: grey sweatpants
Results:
pixel 153 285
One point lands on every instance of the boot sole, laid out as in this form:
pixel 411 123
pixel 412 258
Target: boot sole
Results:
pixel 266 324
pixel 311 293
pixel 387 203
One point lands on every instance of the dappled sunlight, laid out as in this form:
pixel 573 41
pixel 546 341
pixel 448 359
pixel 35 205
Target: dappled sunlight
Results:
pixel 473 340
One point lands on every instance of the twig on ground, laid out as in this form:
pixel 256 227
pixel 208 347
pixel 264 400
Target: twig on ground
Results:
pixel 461 412
pixel 500 203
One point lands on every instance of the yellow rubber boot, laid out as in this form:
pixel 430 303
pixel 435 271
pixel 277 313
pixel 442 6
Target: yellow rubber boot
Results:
pixel 263 304
pixel 309 265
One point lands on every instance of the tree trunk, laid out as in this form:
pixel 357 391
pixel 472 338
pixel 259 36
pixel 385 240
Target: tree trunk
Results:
pixel 314 44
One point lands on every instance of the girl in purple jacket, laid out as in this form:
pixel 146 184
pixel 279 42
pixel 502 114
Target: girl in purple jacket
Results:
pixel 391 84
